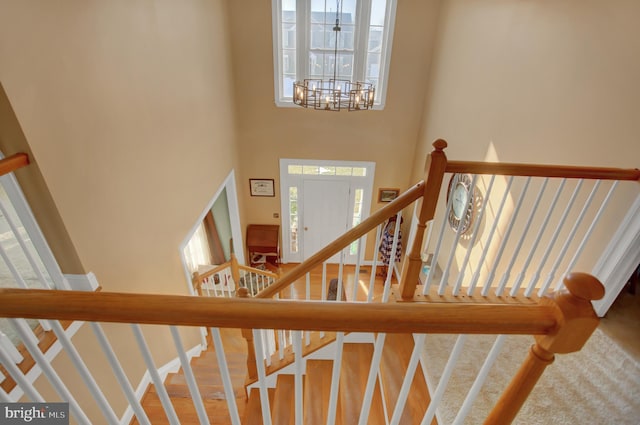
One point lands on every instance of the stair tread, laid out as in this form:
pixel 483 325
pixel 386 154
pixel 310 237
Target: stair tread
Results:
pixel 283 402
pixel 253 409
pixel 393 365
pixel 317 390
pixel 356 362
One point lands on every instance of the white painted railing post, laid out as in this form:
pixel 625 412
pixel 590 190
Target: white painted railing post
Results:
pixel 23 330
pixel 190 378
pixel 299 370
pixel 262 384
pixel 226 378
pixel 83 370
pixel 335 380
pixel 155 376
pixel 120 374
pixel 7 361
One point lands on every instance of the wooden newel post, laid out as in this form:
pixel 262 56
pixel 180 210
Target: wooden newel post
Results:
pixel 434 174
pixel 252 370
pixel 197 283
pixel 576 321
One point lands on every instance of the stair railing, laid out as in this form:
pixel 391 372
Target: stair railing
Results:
pixel 454 312
pixel 562 323
pixel 507 221
pixel 225 279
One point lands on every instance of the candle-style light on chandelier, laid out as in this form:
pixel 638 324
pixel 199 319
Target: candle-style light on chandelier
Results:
pixel 334 94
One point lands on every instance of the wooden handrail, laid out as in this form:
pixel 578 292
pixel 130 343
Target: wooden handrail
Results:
pixel 180 310
pixel 13 162
pixel 398 204
pixel 533 170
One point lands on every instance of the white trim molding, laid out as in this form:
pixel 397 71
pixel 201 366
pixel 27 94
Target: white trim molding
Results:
pixel 620 258
pixel 82 282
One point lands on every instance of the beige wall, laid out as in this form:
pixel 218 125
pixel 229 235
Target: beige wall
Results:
pixel 128 111
pixel 268 133
pixel 539 82
pixel 545 81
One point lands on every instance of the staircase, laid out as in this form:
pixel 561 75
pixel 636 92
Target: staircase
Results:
pixel 356 360
pixel 205 369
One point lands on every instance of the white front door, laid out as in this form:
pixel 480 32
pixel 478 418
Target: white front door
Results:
pixel 325 197
pixel 325 214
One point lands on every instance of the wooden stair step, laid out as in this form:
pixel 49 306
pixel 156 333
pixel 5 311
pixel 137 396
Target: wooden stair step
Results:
pixel 253 409
pixel 317 390
pixel 356 362
pixel 217 410
pixel 283 402
pixel 393 365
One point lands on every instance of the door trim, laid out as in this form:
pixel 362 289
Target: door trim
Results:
pixel 296 180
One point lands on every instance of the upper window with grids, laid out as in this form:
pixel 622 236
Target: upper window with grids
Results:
pixel 305 43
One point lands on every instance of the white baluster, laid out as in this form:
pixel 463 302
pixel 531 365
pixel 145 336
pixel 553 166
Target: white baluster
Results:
pixel 356 278
pixel 307 334
pixel 479 381
pixel 373 376
pixel 4 397
pixel 155 376
pixel 474 236
pixel 226 377
pixel 494 226
pixel 20 204
pixel 340 271
pixel 335 379
pixel 372 280
pixel 190 378
pixel 120 374
pixel 19 279
pixel 23 330
pixel 10 348
pixel 25 249
pixel 588 233
pixel 507 274
pixel 323 294
pixel 436 252
pixel 392 260
pixel 262 384
pixel 543 227
pixel 83 370
pixel 452 253
pixel 408 379
pixel 505 240
pixel 444 380
pixel 551 244
pixel 565 247
pixel 298 371
pixel 7 361
pixel 265 347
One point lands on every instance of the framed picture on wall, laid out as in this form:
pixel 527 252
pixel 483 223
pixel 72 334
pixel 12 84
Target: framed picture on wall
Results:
pixel 261 187
pixel 387 194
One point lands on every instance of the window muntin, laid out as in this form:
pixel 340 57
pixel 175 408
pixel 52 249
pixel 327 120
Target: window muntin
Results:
pixel 304 43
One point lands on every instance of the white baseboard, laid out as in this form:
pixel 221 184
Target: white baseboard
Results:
pixel 171 367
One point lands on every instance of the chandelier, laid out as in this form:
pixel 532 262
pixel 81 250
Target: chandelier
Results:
pixel 334 94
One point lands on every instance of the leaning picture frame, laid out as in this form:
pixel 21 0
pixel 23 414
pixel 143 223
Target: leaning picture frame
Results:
pixel 262 187
pixel 387 194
